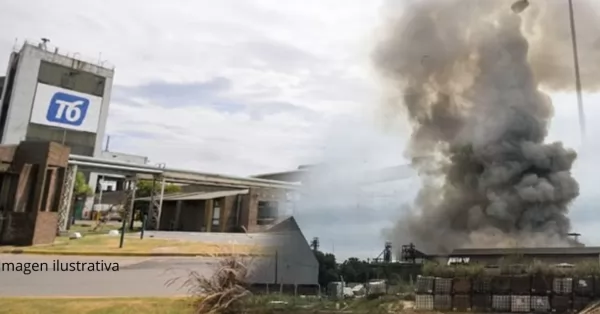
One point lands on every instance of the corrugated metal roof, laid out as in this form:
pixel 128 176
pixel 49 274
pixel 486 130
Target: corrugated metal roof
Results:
pixel 197 195
pixel 528 251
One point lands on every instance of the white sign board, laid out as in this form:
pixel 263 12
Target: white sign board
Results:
pixel 63 108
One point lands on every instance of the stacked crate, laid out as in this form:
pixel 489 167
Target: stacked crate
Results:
pixel 461 294
pixel 481 300
pixel 583 291
pixel 520 298
pixel 562 289
pixel 501 298
pixel 424 293
pixel 516 294
pixel 541 289
pixel 442 299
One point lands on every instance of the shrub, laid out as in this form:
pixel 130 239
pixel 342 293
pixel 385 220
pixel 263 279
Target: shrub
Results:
pixel 221 293
pixel 585 269
pixel 451 271
pixel 225 290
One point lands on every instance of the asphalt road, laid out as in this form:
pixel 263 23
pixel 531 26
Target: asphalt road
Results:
pixel 136 277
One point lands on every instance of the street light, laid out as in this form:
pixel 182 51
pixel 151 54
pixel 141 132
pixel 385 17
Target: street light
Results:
pixel 519 7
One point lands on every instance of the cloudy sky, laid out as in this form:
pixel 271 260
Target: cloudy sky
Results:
pixel 247 87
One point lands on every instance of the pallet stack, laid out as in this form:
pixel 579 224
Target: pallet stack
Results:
pixel 516 294
pixel 481 297
pixel 424 290
pixel 442 298
pixel 461 295
pixel 501 300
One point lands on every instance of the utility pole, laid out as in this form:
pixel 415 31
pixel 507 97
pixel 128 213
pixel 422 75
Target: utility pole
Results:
pixel 577 73
pixel 276 266
pixel 519 7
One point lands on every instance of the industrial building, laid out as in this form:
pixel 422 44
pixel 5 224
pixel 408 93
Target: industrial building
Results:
pixel 550 255
pixel 293 264
pixel 304 174
pixel 49 95
pixel 219 209
pixel 54 109
pixel 31 186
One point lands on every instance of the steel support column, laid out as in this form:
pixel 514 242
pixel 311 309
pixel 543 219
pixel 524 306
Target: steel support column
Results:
pixel 66 197
pixel 156 200
pixel 128 206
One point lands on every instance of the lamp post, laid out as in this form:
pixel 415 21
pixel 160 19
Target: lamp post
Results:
pixel 519 7
pixel 577 74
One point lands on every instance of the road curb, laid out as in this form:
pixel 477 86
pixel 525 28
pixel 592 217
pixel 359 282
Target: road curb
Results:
pixel 125 254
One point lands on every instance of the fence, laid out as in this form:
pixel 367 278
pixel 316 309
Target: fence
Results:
pixel 517 294
pixel 287 289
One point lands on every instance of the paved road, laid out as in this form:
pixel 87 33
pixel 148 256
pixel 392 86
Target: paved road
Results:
pixel 137 277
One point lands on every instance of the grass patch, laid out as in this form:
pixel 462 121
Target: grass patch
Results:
pixel 446 271
pixel 288 304
pixel 133 244
pixel 252 304
pixel 88 228
pixel 95 305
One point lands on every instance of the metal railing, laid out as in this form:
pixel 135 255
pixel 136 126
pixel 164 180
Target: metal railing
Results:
pixel 19 44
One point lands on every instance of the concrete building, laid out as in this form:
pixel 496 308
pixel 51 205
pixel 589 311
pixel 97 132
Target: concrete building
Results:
pixel 49 95
pixel 304 174
pixel 292 261
pixel 134 159
pixel 31 186
pixel 216 209
pixel 569 255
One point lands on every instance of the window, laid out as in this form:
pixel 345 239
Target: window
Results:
pixel 267 213
pixel 458 260
pixel 81 143
pixel 216 217
pixel 71 78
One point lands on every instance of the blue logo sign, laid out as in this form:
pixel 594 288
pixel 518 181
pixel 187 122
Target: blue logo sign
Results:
pixel 67 109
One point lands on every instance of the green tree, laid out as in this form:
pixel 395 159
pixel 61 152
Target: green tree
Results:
pixel 328 271
pixel 81 187
pixel 355 270
pixel 144 188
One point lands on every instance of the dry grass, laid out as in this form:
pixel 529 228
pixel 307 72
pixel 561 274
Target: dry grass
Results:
pixel 133 244
pixel 221 293
pixel 95 305
pixel 225 291
pixel 593 308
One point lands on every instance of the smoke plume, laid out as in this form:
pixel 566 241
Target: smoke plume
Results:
pixel 469 81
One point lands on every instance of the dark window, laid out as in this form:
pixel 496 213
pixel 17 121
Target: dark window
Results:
pixel 81 143
pixel 47 187
pixel 267 212
pixel 71 78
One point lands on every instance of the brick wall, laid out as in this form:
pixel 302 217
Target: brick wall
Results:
pixel 46 225
pixel 17 228
pixel 26 228
pixel 250 206
pixel 35 223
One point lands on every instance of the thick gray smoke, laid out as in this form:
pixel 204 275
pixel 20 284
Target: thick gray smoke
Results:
pixel 461 71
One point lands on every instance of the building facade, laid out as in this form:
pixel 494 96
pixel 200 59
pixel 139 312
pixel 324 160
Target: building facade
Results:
pixel 215 209
pixel 50 96
pixel 495 257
